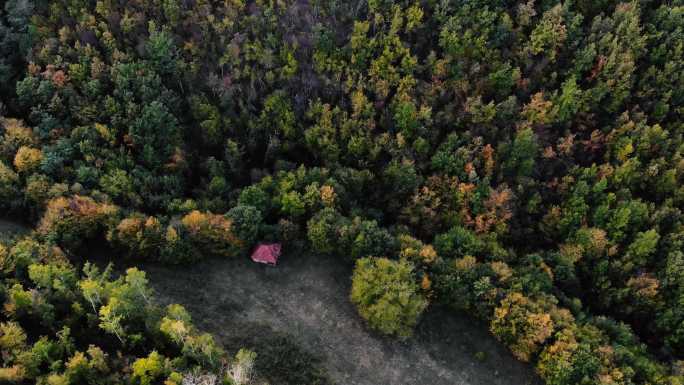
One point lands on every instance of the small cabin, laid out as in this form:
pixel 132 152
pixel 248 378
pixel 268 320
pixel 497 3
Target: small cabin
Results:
pixel 267 253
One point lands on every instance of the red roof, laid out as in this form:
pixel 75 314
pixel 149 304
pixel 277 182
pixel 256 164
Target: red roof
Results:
pixel 266 253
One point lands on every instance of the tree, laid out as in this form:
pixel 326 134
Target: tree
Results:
pixel 400 180
pixel 155 134
pixel 138 236
pixel 70 221
pixel 323 230
pixel 520 154
pixel 367 238
pixel 521 324
pixel 198 347
pixel 569 360
pixel 242 371
pixel 161 50
pixel 118 184
pixel 15 41
pixel 16 135
pixel 387 295
pixel 9 186
pixel 256 197
pixel 549 34
pixel 247 221
pixel 148 369
pixel 12 338
pixel 27 159
pixel 538 146
pixel 213 233
pixel 642 247
pixel 459 242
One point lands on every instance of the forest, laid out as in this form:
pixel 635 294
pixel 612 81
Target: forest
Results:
pixel 521 162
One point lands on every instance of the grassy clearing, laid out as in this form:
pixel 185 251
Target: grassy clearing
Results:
pixel 298 318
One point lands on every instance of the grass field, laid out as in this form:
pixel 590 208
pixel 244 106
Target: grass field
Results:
pixel 298 318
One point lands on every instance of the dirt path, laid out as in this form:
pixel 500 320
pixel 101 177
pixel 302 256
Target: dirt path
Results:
pixel 299 310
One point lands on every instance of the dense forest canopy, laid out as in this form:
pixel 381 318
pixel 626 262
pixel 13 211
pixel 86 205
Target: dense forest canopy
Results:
pixel 517 160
